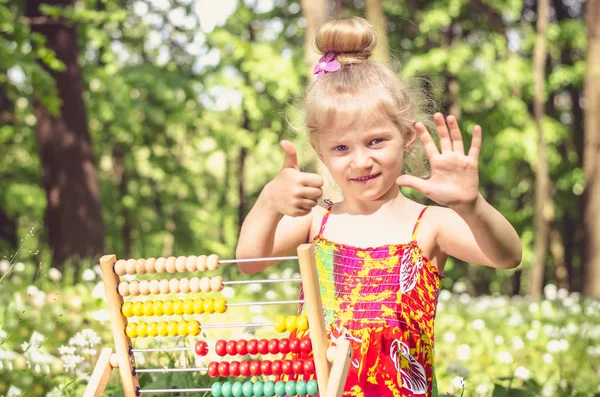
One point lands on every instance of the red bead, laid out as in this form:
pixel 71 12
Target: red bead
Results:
pixel 252 346
pixel 263 346
pixel 242 347
pixel 284 346
pixel 213 369
pixel 273 346
pixel 255 368
pixel 298 367
pixel 295 345
pixel 231 348
pixel 224 368
pixel 276 367
pixel 234 368
pixel 220 347
pixel 309 367
pixel 201 348
pixel 287 367
pixel 245 368
pixel 305 345
pixel 265 367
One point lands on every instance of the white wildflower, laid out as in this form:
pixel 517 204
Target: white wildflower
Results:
pixel 98 291
pixel 458 383
pixel 463 352
pixel 98 270
pixel 534 307
pixel 14 392
pixel 252 288
pixel 4 266
pixel 445 295
pixel 54 274
pixel 449 337
pixel 550 291
pixel 518 343
pixel 522 373
pixel 557 345
pixel 531 334
pixel 459 287
pixel 88 275
pixel 482 389
pixel 499 339
pixel 457 369
pixel 256 309
pixel 228 292
pixel 3 336
pixel 101 315
pixel 505 357
pixel 478 324
pixel 19 267
pixel 464 298
pixel 271 295
pixel 547 358
pixel 562 293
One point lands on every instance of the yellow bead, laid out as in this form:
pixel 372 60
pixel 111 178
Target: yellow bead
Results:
pixel 209 306
pixel 161 328
pixel 168 307
pixel 178 307
pixel 182 328
pixel 198 305
pixel 172 328
pixel 193 327
pixel 148 308
pixel 131 330
pixel 280 324
pixel 188 306
pixel 291 323
pixel 151 329
pixel 220 305
pixel 157 308
pixel 302 323
pixel 138 309
pixel 127 309
pixel 142 330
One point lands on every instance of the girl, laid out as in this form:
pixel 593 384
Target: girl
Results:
pixel 380 256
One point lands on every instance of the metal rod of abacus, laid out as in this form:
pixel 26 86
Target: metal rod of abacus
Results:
pixel 273 280
pixel 170 369
pixel 267 259
pixel 200 389
pixel 263 303
pixel 164 349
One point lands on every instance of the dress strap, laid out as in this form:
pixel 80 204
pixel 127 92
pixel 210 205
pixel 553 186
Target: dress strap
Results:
pixel 416 228
pixel 325 216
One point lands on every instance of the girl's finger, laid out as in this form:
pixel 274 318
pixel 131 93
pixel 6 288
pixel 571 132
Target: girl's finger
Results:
pixel 457 142
pixel 442 130
pixel 475 143
pixel 428 143
pixel 307 204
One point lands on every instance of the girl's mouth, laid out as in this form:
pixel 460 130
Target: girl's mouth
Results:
pixel 366 178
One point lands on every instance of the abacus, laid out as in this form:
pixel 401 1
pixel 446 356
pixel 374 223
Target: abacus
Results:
pixel 324 371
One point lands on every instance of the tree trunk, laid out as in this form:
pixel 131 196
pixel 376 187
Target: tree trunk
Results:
pixel 543 203
pixel 122 181
pixel 376 16
pixel 591 159
pixel 73 213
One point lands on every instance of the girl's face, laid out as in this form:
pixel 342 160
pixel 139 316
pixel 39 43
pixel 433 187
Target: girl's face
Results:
pixel 364 158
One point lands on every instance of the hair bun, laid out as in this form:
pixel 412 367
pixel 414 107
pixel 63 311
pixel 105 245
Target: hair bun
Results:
pixel 355 38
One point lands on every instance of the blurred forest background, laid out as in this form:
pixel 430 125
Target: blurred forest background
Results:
pixel 148 128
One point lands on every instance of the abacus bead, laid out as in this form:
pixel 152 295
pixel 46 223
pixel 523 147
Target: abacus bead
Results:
pixel 178 307
pixel 295 345
pixel 309 366
pixel 252 346
pixel 151 328
pixel 213 369
pixel 290 388
pixel 160 265
pixel 120 267
pixel 265 367
pixel 280 388
pixel 330 354
pixel 170 265
pixel 255 367
pixel 131 330
pixel 142 330
pixel 150 265
pixel 280 324
pixel 144 287
pixel 138 309
pixel 184 285
pixel 269 388
pixel 209 306
pixel 258 389
pixel 157 308
pixel 245 368
pixel 276 367
pixel 220 347
pixel 201 263
pixel 220 305
pixel 305 345
pixel 123 288
pixel 182 328
pixel 194 284
pixel 312 387
pixel 198 306
pixel 161 328
pixel 241 347
pixel 188 306
pixel 231 348
pixel 190 263
pixel 274 346
pixel 224 369
pixel 174 286
pixel 301 388
pixel 163 286
pixel 134 288
pixel 193 327
pixel 130 266
pixel 215 389
pixel 172 328
pixel 248 389
pixel 216 284
pixel 284 346
pixel 140 266
pixel 234 368
pixel 226 389
pixel 212 262
pixel 302 323
pixel 263 346
pixel 154 287
pixel 180 264
pixel 201 348
pixel 298 367
pixel 168 307
pixel 291 323
pixel 205 284
pixel 236 389
pixel 127 309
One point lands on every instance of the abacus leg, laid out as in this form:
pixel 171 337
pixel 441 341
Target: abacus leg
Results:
pixel 100 376
pixel 339 369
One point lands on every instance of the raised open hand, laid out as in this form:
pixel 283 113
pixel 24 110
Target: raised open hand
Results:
pixel 454 180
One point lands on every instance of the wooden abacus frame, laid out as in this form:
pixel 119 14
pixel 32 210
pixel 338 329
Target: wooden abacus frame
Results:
pixel 331 377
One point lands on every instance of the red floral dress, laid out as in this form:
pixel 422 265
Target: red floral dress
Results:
pixel 384 301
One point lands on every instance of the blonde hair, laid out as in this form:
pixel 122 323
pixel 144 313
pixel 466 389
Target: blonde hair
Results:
pixel 362 88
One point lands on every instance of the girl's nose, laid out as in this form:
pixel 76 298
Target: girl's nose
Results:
pixel 362 159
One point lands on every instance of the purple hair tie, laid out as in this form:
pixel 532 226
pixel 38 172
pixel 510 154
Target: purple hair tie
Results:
pixel 326 65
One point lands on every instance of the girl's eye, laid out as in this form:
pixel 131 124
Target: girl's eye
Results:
pixel 340 148
pixel 376 141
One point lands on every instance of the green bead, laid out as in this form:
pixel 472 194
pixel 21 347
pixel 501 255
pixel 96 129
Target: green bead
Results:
pixel 258 389
pixel 247 389
pixel 290 388
pixel 226 389
pixel 236 389
pixel 279 388
pixel 312 387
pixel 215 389
pixel 269 388
pixel 301 388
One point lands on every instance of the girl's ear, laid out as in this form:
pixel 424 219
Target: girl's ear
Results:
pixel 411 136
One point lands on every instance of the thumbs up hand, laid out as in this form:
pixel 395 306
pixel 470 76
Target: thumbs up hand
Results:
pixel 292 192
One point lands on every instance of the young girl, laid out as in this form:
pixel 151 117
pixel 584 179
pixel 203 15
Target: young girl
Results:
pixel 380 256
